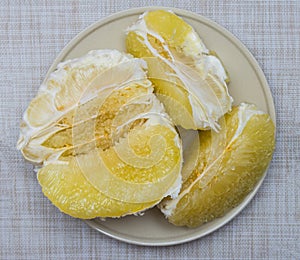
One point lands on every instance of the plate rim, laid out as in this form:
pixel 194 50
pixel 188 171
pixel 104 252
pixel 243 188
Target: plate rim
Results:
pixel 244 51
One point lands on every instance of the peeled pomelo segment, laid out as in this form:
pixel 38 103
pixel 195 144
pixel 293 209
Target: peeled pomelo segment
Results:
pixel 183 63
pixel 91 116
pixel 76 83
pixel 118 180
pixel 117 112
pixel 228 169
pixel 68 190
pixel 102 129
pixel 58 137
pixel 205 100
pixel 114 137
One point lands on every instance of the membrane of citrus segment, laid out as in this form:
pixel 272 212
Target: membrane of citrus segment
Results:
pixel 229 165
pixel 187 77
pixel 97 121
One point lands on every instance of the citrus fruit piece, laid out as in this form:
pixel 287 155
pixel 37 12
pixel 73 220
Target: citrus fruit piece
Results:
pixel 187 76
pixel 136 178
pixel 67 188
pixel 96 126
pixel 74 95
pixel 230 163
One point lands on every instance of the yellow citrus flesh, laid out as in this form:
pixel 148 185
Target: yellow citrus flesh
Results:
pixel 106 145
pixel 79 189
pixel 156 19
pixel 181 68
pixel 171 93
pixel 67 188
pixel 147 156
pixel 229 166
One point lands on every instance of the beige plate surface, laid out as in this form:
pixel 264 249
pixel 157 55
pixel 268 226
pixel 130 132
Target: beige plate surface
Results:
pixel 248 84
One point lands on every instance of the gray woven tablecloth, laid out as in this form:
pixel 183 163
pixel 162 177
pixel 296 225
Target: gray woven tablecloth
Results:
pixel 32 33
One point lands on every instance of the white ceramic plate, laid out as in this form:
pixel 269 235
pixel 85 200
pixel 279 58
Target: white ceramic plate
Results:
pixel 248 84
